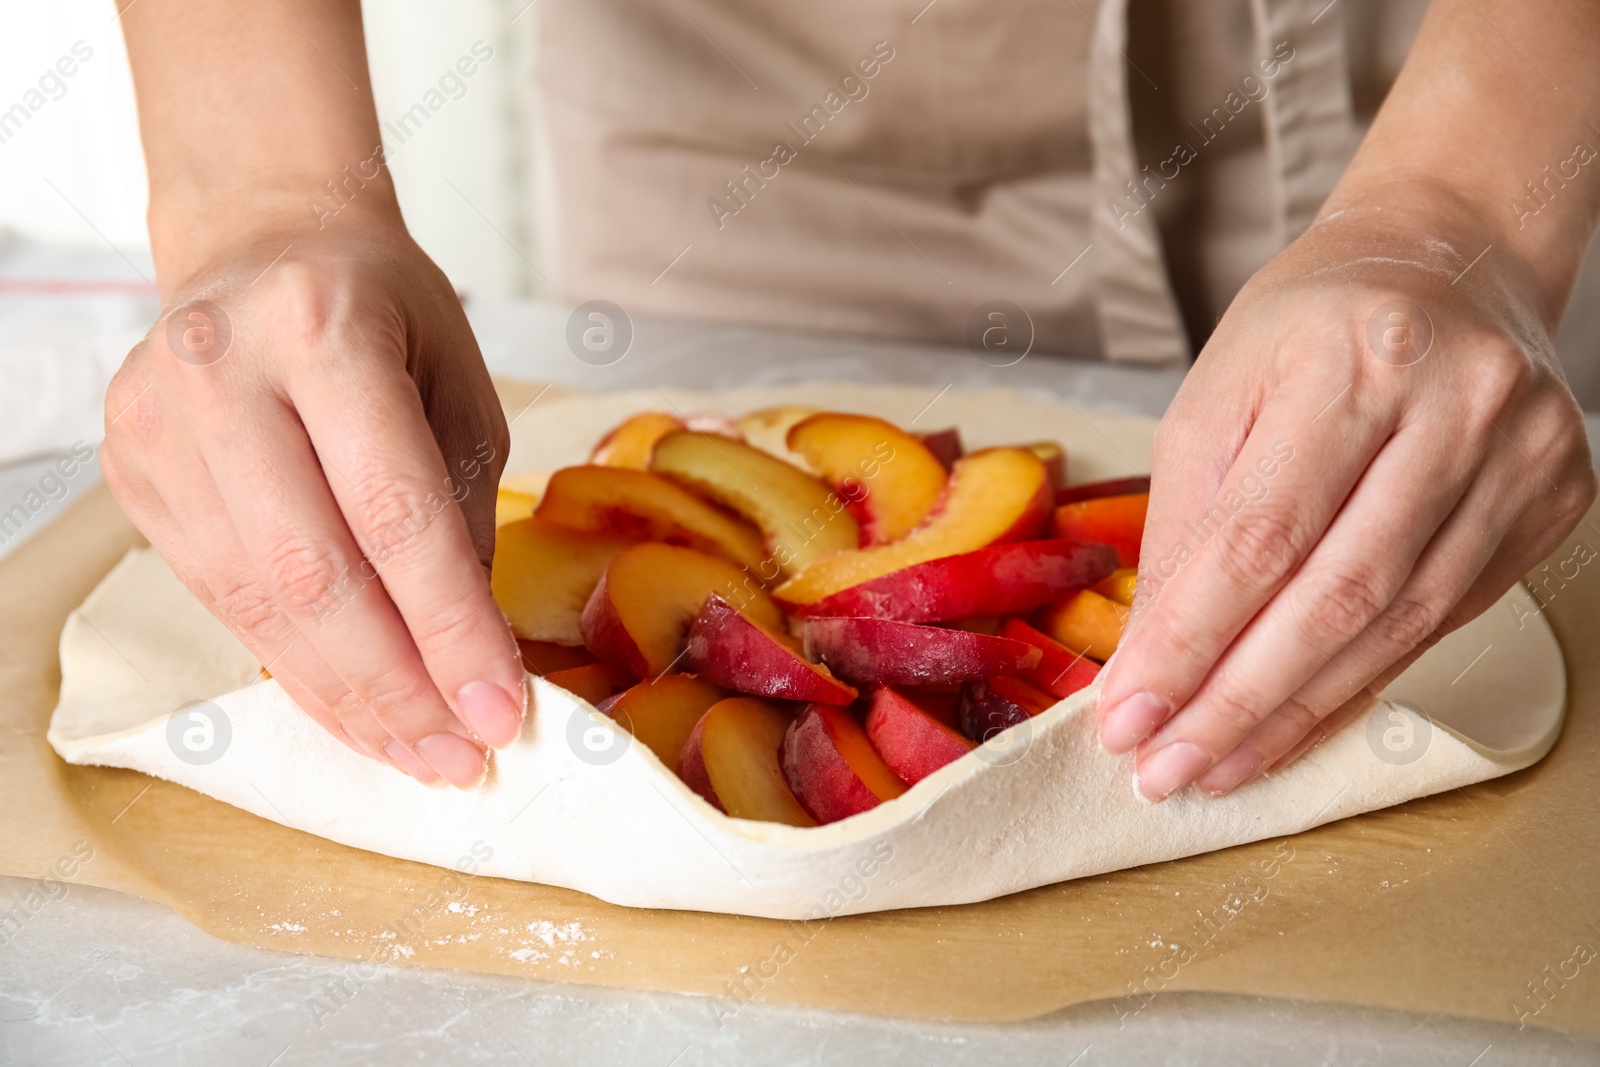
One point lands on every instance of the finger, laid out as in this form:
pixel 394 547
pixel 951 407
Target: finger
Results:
pixel 1346 581
pixel 1194 446
pixel 1298 470
pixel 197 540
pixel 1452 582
pixel 209 557
pixel 403 508
pixel 295 538
pixel 1540 487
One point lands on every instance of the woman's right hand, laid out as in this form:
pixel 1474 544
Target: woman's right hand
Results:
pixel 316 453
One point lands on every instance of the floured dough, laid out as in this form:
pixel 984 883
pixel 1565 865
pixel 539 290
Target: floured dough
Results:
pixel 574 803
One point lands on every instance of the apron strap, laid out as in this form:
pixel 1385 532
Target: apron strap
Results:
pixel 1138 313
pixel 1310 126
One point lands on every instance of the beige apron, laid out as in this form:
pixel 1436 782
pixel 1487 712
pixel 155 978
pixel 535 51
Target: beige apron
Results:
pixel 886 171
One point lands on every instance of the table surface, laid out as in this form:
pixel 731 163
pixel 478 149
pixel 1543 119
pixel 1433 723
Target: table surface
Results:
pixel 101 977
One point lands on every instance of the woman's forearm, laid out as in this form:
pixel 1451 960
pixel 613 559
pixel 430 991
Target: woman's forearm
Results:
pixel 1498 108
pixel 246 111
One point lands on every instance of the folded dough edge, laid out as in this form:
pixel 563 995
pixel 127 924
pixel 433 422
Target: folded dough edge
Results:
pixel 1047 806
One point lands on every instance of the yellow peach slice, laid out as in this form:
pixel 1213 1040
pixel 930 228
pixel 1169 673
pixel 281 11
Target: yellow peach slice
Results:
pixel 646 506
pixel 543 575
pixel 890 477
pixel 629 443
pixel 801 518
pixel 995 494
pixel 731 759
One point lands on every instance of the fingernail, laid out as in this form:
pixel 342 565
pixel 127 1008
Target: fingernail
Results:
pixel 1170 769
pixel 491 712
pixel 410 762
pixel 1232 771
pixel 1131 721
pixel 460 761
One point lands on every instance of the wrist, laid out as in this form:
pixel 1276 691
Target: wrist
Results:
pixel 193 224
pixel 1538 242
pixel 1451 234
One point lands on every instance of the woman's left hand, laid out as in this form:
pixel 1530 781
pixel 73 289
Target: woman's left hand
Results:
pixel 1374 445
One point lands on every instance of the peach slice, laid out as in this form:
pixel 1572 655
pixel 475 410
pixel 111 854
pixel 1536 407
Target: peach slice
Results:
pixel 1117 521
pixel 874 652
pixel 646 507
pixel 912 739
pixel 1113 487
pixel 990 705
pixel 713 422
pixel 543 574
pixel 542 657
pixel 994 495
pixel 593 682
pixel 768 430
pixel 945 445
pixel 731 759
pixel 511 505
pixel 739 653
pixel 629 443
pixel 662 714
pixel 891 479
pixel 1000 579
pixel 833 768
pixel 1061 671
pixel 639 614
pixel 801 518
pixel 1119 585
pixel 1086 622
pixel 1055 461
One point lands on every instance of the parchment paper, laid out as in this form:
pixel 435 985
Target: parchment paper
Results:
pixel 1456 903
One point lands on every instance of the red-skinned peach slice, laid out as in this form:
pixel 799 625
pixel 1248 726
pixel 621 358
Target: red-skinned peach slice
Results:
pixel 1086 622
pixel 732 760
pixel 1119 585
pixel 739 653
pixel 876 652
pixel 646 507
pixel 1000 579
pixel 994 495
pixel 945 445
pixel 1112 487
pixel 661 714
pixel 768 430
pixel 890 478
pixel 989 705
pixel 544 573
pixel 593 682
pixel 542 657
pixel 1061 671
pixel 801 518
pixel 911 739
pixel 833 768
pixel 1055 461
pixel 1117 521
pixel 639 615
pixel 629 444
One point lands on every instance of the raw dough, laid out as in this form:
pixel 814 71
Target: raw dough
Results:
pixel 573 803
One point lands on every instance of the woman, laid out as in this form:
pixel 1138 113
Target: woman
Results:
pixel 889 173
